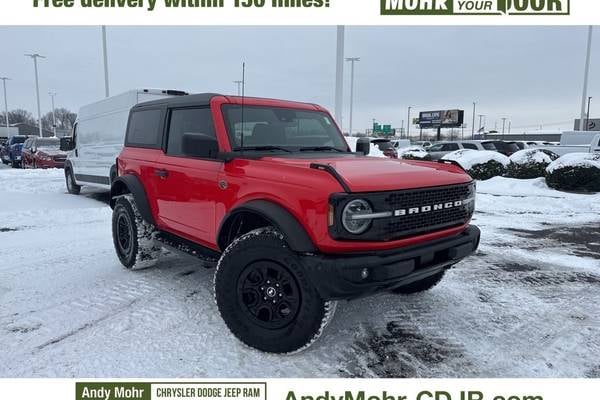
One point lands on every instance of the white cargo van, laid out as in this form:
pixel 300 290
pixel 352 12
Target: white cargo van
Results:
pixel 98 137
pixel 576 142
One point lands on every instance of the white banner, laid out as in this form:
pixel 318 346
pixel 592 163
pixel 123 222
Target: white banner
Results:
pixel 299 12
pixel 303 389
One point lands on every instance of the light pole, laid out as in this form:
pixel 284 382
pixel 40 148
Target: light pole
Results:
pixel 239 87
pixel 4 79
pixel 105 56
pixel 473 126
pixel 587 122
pixel 503 126
pixel 352 60
pixel 408 123
pixel 339 75
pixel 480 122
pixel 586 76
pixel 37 89
pixel 509 125
pixel 52 94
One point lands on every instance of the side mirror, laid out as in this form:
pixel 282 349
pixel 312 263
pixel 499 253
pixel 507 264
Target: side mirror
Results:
pixel 200 145
pixel 363 145
pixel 67 143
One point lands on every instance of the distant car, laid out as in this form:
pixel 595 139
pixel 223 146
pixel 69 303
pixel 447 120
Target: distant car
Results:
pixel 440 149
pixel 423 144
pixel 386 146
pixel 506 148
pixel 11 152
pixel 401 143
pixel 43 153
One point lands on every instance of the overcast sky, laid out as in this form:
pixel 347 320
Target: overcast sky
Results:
pixel 532 75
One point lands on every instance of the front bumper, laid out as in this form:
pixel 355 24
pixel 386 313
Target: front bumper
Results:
pixel 343 277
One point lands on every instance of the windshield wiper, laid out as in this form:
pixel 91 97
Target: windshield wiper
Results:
pixel 322 148
pixel 263 148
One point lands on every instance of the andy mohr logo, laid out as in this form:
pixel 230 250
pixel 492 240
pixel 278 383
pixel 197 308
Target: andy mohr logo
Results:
pixel 475 7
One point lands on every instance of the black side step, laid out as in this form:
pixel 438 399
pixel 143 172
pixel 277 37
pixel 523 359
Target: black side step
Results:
pixel 184 246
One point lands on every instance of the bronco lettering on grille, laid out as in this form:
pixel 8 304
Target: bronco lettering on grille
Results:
pixel 424 209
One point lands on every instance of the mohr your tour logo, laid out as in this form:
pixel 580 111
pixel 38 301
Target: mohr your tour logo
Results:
pixel 475 7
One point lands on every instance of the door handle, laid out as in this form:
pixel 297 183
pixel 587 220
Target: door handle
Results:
pixel 161 173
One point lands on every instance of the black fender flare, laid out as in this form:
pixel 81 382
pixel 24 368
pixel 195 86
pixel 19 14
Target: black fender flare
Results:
pixel 131 184
pixel 296 236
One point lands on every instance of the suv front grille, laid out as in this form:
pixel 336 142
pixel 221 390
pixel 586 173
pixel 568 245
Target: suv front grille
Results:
pixel 416 211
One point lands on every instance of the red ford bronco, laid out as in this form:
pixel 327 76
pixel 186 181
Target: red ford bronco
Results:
pixel 296 220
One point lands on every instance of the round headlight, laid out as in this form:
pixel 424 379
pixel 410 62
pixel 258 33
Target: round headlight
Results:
pixel 351 216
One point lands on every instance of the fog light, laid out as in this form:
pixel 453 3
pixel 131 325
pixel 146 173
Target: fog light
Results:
pixel 364 273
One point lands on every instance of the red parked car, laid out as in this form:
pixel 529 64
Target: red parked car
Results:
pixel 296 220
pixel 43 153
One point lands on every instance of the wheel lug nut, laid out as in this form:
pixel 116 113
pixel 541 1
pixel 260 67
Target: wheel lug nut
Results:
pixel 262 288
pixel 274 302
pixel 264 298
pixel 280 295
pixel 277 284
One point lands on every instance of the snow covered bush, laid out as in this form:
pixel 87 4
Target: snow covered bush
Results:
pixel 481 165
pixel 576 172
pixel 530 163
pixel 414 153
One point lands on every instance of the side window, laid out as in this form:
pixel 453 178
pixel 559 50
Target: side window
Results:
pixel 144 129
pixel 450 147
pixel 471 146
pixel 436 147
pixel 188 120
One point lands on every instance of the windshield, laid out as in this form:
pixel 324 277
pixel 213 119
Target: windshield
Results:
pixel 19 139
pixel 281 129
pixel 48 144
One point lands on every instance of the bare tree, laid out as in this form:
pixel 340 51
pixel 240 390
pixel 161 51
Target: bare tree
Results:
pixel 65 119
pixel 19 116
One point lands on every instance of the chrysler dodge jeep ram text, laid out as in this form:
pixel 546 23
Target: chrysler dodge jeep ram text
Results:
pixel 296 220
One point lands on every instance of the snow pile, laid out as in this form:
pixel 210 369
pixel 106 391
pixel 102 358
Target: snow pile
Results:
pixel 375 152
pixel 413 153
pixel 573 160
pixel 575 172
pixel 530 163
pixel 469 158
pixel 481 165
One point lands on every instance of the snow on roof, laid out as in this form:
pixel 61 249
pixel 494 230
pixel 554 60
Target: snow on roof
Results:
pixel 586 160
pixel 468 158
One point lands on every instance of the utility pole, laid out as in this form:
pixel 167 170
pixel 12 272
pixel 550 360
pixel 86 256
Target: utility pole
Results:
pixel 503 126
pixel 339 75
pixel 352 60
pixel 239 87
pixel 105 56
pixel 408 123
pixel 37 89
pixel 509 125
pixel 473 127
pixel 586 76
pixel 4 79
pixel 52 94
pixel 587 123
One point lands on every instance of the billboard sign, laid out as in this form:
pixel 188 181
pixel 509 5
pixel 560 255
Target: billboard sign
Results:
pixel 592 125
pixel 442 118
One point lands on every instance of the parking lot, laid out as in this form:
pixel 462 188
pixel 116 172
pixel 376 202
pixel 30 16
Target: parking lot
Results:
pixel 525 305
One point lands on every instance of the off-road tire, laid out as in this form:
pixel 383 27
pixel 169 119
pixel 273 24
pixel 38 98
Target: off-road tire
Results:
pixel 420 286
pixel 133 237
pixel 264 252
pixel 72 187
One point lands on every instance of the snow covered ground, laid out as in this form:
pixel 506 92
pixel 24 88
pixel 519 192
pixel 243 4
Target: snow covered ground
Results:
pixel 526 305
